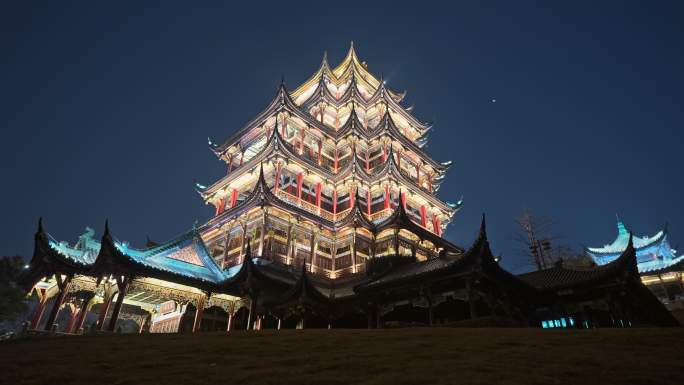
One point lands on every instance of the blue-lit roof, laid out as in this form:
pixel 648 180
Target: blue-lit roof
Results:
pixel 83 252
pixel 653 253
pixel 620 243
pixel 185 255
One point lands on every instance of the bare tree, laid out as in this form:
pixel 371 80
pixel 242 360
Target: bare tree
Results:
pixel 534 235
pixel 541 246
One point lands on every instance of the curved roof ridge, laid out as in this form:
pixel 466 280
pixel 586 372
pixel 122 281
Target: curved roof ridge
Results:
pixel 620 242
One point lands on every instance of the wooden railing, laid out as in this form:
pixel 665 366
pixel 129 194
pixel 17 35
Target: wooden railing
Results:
pixel 287 197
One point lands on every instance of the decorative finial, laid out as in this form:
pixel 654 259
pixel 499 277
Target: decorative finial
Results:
pixel 483 227
pixel 106 228
pixel 622 229
pixel 40 224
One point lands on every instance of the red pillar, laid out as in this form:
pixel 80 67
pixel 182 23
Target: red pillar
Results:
pixel 233 197
pixel 81 319
pixel 230 322
pixel 423 216
pixel 300 180
pixel 334 201
pixel 40 309
pixel 436 225
pixel 107 301
pixel 221 206
pixel 122 284
pixel 320 147
pixel 85 306
pixel 199 312
pixel 403 199
pixel 72 320
pixel 368 202
pixel 59 300
pixel 387 197
pixel 276 183
pixel 318 195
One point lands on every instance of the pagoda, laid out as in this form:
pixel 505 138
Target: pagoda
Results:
pixel 654 253
pixel 332 159
pixel 327 216
pixel 659 266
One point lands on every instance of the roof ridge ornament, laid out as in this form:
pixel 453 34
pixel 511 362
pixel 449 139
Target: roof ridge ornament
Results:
pixel 622 229
pixel 630 255
pixel 483 228
pixel 262 178
pixel 211 143
pixel 282 91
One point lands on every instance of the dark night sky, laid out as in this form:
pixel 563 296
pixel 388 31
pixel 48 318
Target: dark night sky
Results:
pixel 106 107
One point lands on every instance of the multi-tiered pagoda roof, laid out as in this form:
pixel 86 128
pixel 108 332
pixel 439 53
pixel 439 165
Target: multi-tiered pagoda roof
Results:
pixel 328 211
pixel 654 253
pixel 331 126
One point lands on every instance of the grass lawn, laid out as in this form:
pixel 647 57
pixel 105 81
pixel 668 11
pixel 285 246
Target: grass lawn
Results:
pixel 390 356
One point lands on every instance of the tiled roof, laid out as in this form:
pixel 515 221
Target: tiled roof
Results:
pixel 411 270
pixel 559 277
